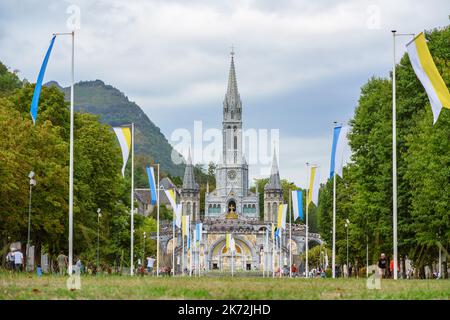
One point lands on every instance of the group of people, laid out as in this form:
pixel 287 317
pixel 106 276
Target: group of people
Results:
pixel 15 260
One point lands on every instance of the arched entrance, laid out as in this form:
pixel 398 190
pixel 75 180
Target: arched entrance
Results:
pixel 221 258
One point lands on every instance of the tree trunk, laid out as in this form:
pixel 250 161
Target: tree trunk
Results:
pixel 422 272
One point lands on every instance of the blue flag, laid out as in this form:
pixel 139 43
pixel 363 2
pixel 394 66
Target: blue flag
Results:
pixel 151 182
pixel 37 88
pixel 297 204
pixel 198 233
pixel 336 132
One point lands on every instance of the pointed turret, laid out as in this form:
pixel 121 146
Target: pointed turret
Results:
pixel 189 178
pixel 190 193
pixel 274 180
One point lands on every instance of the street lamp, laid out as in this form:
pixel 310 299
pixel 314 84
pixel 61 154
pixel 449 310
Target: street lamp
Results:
pixel 32 183
pixel 143 247
pixel 347 223
pixel 98 237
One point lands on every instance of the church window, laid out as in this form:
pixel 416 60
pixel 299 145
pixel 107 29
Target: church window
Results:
pixel 189 211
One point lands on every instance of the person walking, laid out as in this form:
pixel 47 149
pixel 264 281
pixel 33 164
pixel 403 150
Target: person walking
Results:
pixel 18 260
pixel 150 263
pixel 79 265
pixel 391 268
pixel 382 265
pixel 294 270
pixel 10 260
pixel 62 263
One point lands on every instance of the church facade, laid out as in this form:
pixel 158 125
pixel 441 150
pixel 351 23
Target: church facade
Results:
pixel 232 209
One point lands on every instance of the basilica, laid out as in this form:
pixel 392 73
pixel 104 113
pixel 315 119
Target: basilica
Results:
pixel 232 209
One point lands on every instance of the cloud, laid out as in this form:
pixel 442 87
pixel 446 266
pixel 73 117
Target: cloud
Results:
pixel 300 64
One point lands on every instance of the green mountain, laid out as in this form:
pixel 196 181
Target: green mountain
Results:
pixel 115 109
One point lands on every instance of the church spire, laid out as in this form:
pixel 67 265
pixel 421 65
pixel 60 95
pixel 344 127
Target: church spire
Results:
pixel 232 89
pixel 189 178
pixel 232 103
pixel 274 180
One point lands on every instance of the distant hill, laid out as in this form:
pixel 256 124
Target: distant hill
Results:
pixel 114 109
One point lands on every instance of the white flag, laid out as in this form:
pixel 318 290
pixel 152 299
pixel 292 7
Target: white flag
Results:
pixel 341 144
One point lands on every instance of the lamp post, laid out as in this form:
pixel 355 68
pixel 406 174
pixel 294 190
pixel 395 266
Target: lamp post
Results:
pixel 347 223
pixel 98 237
pixel 143 247
pixel 32 183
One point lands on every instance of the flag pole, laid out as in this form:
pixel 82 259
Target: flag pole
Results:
pixel 273 251
pixel 232 260
pixel 71 159
pixel 290 235
pixel 182 254
pixel 367 256
pixel 173 241
pixel 190 249
pixel 281 249
pixel 306 222
pixel 333 257
pixel 394 160
pixel 157 227
pixel 132 202
pixel 394 157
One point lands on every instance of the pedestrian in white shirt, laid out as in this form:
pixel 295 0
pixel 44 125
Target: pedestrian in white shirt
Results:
pixel 18 260
pixel 150 263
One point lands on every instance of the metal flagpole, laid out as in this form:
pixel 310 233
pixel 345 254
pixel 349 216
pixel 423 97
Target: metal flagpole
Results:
pixel 70 266
pixel 333 256
pixel 281 248
pixel 182 254
pixel 290 235
pixel 232 261
pixel 394 160
pixel 132 202
pixel 29 224
pixel 157 227
pixel 173 243
pixel 394 157
pixel 273 252
pixel 307 231
pixel 440 262
pixel 71 161
pixel 367 256
pixel 190 249
pixel 173 232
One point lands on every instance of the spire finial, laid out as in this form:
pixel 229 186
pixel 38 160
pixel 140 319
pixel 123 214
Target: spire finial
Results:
pixel 189 162
pixel 232 51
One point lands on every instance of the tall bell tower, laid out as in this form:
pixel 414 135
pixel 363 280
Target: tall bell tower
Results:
pixel 232 120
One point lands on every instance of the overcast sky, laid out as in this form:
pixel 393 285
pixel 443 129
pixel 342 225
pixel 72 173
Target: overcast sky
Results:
pixel 299 64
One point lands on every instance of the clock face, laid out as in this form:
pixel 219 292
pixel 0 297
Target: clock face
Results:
pixel 231 175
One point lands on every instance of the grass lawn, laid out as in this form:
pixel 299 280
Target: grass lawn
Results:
pixel 124 287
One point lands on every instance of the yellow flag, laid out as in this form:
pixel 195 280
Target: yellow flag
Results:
pixel 185 225
pixel 425 69
pixel 314 185
pixel 281 221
